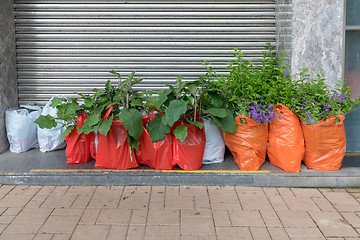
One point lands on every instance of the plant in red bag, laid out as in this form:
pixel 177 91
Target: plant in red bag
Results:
pixel 183 112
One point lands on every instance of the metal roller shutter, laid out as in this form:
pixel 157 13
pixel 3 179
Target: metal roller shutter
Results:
pixel 69 45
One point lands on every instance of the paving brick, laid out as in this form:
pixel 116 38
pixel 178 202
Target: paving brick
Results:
pixel 203 213
pixel 14 201
pixel 114 217
pixel 324 205
pixel 90 216
pixel 163 217
pixel 43 236
pixel 227 233
pixel 157 202
pixel 343 201
pixel 193 191
pixel 2 227
pixel 37 201
pixel 285 192
pixel 307 192
pixel 157 190
pixel 353 190
pixel 104 194
pixel 81 190
pixel 60 190
pixel 184 237
pixel 59 201
pixel 202 202
pixel 270 218
pixel 103 204
pixel 134 202
pixel 33 215
pixel 352 218
pixel 260 233
pixel 180 202
pixel 332 224
pixel 91 232
pixel 249 191
pixel 163 230
pixel 136 232
pixel 118 232
pixel 61 236
pixel 197 226
pixel 22 190
pixel 225 206
pixel 12 211
pixel 60 224
pixel 301 204
pixel 13 236
pixel 6 219
pixel 221 218
pixel 46 190
pixel 295 219
pixel 304 233
pixel 138 217
pixel 207 237
pixel 5 189
pixel 278 233
pixel 22 228
pixel 81 201
pixel 255 203
pixel 246 218
pixel 167 237
pixel 222 194
pixel 172 190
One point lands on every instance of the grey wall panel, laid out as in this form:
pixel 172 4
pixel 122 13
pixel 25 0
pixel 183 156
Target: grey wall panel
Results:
pixel 66 45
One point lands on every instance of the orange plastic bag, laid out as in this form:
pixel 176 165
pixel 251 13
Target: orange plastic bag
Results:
pixel 248 143
pixel 78 145
pixel 286 142
pixel 324 144
pixel 189 153
pixel 158 154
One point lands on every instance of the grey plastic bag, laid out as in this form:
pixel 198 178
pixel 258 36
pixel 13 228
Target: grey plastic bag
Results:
pixel 21 129
pixel 215 146
pixel 49 139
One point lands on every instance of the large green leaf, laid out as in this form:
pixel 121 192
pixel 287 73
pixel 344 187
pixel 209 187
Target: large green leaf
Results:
pixel 180 132
pixel 158 129
pixel 162 99
pixel 151 103
pixel 136 102
pixel 105 125
pixel 66 132
pixel 198 124
pixel 72 107
pixel 174 112
pixel 85 129
pixel 133 143
pixel 227 123
pixel 132 121
pixel 217 112
pixel 216 99
pixel 92 120
pixel 46 121
pixel 56 101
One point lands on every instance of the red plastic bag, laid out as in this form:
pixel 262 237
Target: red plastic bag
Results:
pixel 113 150
pixel 189 153
pixel 325 144
pixel 286 142
pixel 78 145
pixel 158 154
pixel 248 143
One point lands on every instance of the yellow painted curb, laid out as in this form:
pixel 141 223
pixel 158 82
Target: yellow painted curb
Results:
pixel 145 170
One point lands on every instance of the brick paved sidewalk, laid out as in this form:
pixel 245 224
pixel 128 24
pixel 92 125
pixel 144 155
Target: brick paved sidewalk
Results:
pixel 177 213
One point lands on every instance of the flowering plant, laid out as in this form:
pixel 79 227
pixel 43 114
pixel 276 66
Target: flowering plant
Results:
pixel 252 89
pixel 315 101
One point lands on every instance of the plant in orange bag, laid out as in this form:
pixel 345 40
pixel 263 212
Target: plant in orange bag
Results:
pixel 182 118
pixel 246 88
pixel 322 111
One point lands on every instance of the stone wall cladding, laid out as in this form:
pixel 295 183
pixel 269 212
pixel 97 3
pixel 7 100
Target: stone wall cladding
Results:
pixel 8 74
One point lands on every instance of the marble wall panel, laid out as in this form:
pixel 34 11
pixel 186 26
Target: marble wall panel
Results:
pixel 8 74
pixel 317 37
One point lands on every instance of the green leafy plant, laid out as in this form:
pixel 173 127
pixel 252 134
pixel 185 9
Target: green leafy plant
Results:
pixel 314 100
pixel 254 88
pixel 118 102
pixel 188 102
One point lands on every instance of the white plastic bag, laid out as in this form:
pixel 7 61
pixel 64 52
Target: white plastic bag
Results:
pixel 21 129
pixel 49 139
pixel 215 146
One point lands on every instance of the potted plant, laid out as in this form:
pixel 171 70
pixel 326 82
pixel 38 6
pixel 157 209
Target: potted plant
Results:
pixel 322 112
pixel 246 88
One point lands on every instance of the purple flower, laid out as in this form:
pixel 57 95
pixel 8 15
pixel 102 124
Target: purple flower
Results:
pixel 261 97
pixel 270 106
pixel 301 108
pixel 304 104
pixel 326 105
pixel 229 92
pixel 341 101
pixel 222 94
pixel 307 112
pixel 313 101
pixel 239 101
pixel 327 110
pixel 335 95
pixel 342 96
pixel 310 117
pixel 280 116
